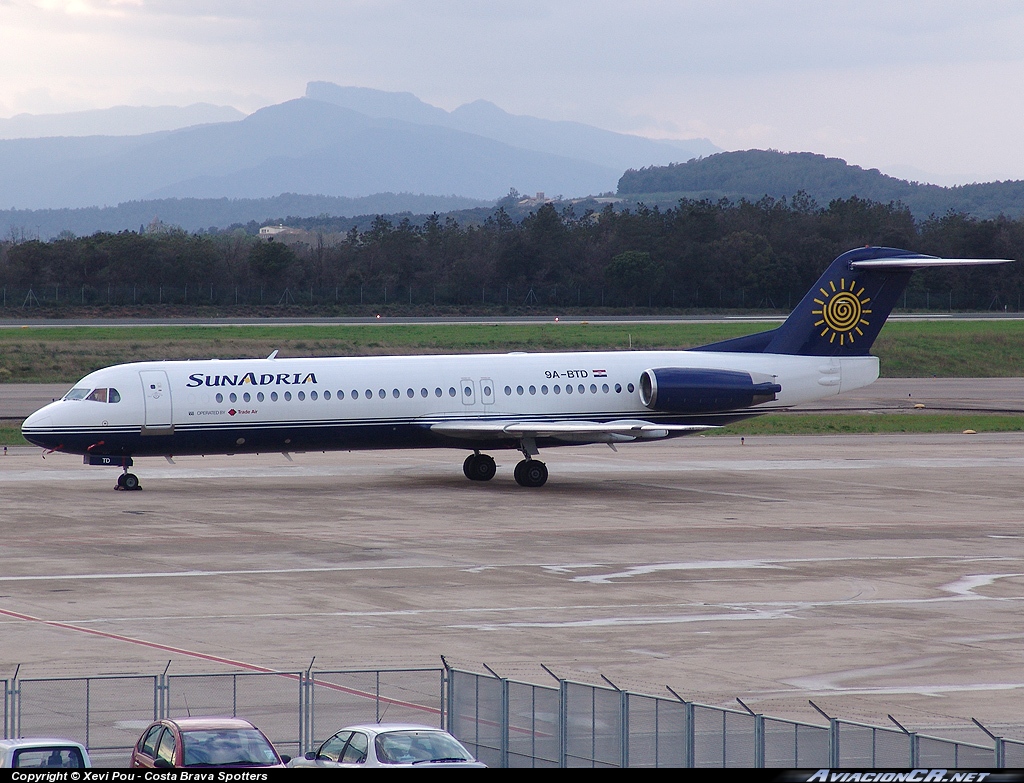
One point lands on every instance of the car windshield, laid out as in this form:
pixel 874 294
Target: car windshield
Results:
pixel 416 747
pixel 226 747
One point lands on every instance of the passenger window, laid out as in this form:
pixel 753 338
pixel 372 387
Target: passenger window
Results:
pixel 312 395
pixel 437 392
pixel 260 397
pixel 246 397
pixel 302 395
pixel 355 753
pixel 593 388
pixel 543 389
pixel 273 396
pixel 331 750
pixel 287 396
pixel 219 397
pixel 451 391
pixel 631 388
pixel 395 393
pixel 98 395
pixel 381 393
pixel 166 749
pixel 568 388
pixel 519 390
pixel 533 390
pixel 604 387
pixel 581 389
pixel 423 392
pixel 233 397
pixel 115 396
pixel 327 395
pixel 148 744
pixel 508 391
pixel 557 389
pixel 618 389
pixel 369 394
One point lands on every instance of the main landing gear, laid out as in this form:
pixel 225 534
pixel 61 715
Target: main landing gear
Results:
pixel 531 473
pixel 528 473
pixel 479 467
pixel 128 482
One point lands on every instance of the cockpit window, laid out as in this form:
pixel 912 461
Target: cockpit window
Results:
pixel 94 395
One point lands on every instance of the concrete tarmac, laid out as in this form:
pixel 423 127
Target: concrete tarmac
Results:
pixel 871 574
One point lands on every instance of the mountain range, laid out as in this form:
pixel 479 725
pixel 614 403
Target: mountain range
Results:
pixel 336 141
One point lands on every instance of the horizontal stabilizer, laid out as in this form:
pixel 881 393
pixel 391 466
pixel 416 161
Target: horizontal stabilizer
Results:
pixel 920 262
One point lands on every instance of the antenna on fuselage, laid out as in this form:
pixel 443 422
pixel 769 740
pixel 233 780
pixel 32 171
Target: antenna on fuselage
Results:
pixel 272 355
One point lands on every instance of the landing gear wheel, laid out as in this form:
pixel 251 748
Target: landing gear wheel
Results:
pixel 531 473
pixel 479 467
pixel 128 482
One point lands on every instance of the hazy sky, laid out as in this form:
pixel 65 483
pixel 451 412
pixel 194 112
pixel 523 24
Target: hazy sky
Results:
pixel 932 85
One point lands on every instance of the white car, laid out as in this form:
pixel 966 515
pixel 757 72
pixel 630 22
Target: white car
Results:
pixel 389 745
pixel 43 753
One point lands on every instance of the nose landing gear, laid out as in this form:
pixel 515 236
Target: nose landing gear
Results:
pixel 128 482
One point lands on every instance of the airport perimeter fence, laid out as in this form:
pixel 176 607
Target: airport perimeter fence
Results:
pixel 504 722
pixel 23 299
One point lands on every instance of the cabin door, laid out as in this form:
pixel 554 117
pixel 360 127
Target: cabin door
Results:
pixel 157 393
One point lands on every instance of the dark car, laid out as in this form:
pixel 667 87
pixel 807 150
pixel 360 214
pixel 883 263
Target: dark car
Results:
pixel 204 742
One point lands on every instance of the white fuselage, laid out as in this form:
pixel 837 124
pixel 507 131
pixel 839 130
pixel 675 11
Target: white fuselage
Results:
pixel 215 406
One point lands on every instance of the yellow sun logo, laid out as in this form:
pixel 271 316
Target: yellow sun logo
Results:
pixel 842 312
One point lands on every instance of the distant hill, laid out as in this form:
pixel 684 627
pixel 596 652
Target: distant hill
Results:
pixel 197 214
pixel 756 173
pixel 115 121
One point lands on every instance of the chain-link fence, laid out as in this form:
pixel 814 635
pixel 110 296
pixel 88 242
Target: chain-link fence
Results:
pixel 515 724
pixel 25 298
pixel 505 723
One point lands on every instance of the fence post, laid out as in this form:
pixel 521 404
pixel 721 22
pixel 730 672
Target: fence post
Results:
pixel 1000 744
pixel 15 704
pixel 563 724
pixel 759 751
pixel 624 707
pixel 833 742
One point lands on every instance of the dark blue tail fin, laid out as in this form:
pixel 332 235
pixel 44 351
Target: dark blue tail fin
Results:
pixel 845 310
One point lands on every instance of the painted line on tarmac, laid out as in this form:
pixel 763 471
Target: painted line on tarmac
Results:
pixel 206 657
pixel 629 570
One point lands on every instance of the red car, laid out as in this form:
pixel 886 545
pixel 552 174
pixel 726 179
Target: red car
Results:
pixel 204 742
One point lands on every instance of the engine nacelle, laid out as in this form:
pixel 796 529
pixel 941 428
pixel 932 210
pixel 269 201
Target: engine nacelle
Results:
pixel 695 390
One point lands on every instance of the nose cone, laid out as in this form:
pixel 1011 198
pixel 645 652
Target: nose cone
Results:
pixel 38 427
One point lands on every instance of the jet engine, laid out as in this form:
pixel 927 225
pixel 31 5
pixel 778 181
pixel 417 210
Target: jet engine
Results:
pixel 695 390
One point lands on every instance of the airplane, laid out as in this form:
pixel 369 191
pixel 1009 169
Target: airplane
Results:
pixel 521 401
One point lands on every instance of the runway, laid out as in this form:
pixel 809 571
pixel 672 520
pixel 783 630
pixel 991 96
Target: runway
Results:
pixel 873 574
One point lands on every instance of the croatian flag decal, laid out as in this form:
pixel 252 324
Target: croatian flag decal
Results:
pixel 600 374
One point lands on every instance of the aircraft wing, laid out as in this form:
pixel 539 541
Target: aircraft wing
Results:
pixel 619 431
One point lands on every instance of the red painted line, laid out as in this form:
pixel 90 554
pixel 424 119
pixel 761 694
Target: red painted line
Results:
pixel 213 658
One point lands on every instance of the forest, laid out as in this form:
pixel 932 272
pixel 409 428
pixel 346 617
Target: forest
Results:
pixel 697 255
